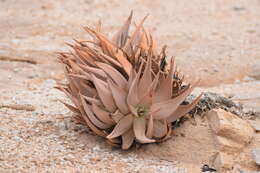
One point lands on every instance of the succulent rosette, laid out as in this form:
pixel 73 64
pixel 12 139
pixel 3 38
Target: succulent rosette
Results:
pixel 122 89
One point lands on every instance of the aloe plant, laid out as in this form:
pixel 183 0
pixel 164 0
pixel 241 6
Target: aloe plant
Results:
pixel 122 88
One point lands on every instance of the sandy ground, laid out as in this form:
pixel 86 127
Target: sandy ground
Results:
pixel 217 41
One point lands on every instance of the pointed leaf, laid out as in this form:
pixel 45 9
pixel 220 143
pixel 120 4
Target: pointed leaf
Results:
pixel 94 70
pixel 149 132
pixel 133 98
pixel 105 95
pixel 106 45
pixel 84 56
pixel 117 116
pixel 128 139
pixel 131 78
pixel 119 95
pixel 183 109
pixel 92 100
pixel 146 99
pixel 122 126
pixel 164 91
pixel 146 79
pixel 88 90
pixel 166 108
pixel 90 124
pixel 102 115
pixel 160 129
pixel 123 61
pixel 70 107
pixel 121 36
pixel 113 73
pixel 91 116
pixel 144 43
pixel 83 88
pixel 110 60
pixel 111 143
pixel 98 26
pixel 135 38
pixel 139 130
pixel 152 44
pixel 84 77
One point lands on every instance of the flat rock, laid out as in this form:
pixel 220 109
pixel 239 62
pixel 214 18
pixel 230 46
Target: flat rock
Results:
pixel 223 161
pixel 256 155
pixel 191 143
pixel 231 132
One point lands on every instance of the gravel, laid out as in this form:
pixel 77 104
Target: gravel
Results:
pixel 47 139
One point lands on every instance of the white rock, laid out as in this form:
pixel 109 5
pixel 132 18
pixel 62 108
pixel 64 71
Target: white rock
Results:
pixel 255 124
pixel 223 161
pixel 256 155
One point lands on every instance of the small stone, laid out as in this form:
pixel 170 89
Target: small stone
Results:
pixel 255 124
pixel 26 107
pixel 237 81
pixel 248 79
pixel 96 148
pixel 231 133
pixel 256 70
pixel 223 161
pixel 95 159
pixel 256 155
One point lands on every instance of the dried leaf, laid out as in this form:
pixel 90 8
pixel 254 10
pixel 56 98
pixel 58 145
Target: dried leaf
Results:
pixel 146 79
pixel 128 139
pixel 113 73
pixel 119 95
pixel 149 132
pixel 159 128
pixel 135 38
pixel 166 108
pixel 70 107
pixel 90 124
pixel 105 95
pixel 102 115
pixel 133 98
pixel 91 116
pixel 117 116
pixel 164 91
pixel 121 36
pixel 183 109
pixel 139 130
pixel 122 126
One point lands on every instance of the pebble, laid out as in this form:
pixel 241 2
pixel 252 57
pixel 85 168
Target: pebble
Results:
pixel 256 70
pixel 256 155
pixel 255 124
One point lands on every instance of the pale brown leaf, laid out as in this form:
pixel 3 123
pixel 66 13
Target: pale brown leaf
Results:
pixel 114 74
pixel 102 115
pixel 183 109
pixel 117 116
pixel 90 124
pixel 122 126
pixel 119 95
pixel 149 132
pixel 127 139
pixel 91 116
pixel 121 36
pixel 105 95
pixel 166 108
pixel 160 128
pixel 139 130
